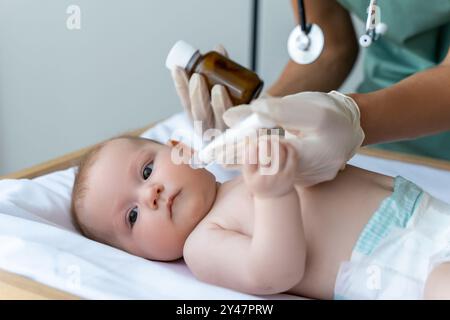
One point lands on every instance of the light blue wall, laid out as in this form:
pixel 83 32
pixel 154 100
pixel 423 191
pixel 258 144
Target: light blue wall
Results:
pixel 61 90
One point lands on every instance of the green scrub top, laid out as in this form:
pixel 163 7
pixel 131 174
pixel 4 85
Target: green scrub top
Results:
pixel 418 38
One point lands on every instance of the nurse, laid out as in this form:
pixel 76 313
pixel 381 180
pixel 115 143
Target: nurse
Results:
pixel 402 104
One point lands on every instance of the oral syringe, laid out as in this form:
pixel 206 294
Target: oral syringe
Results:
pixel 245 128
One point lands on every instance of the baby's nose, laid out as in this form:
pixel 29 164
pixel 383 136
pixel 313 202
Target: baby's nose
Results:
pixel 155 193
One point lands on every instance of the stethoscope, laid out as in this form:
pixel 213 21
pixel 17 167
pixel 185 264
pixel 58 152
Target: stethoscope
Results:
pixel 306 41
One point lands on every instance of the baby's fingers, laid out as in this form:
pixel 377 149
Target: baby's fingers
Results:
pixel 292 159
pixel 250 167
pixel 264 152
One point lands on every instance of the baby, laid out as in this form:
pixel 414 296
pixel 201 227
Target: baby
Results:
pixel 362 235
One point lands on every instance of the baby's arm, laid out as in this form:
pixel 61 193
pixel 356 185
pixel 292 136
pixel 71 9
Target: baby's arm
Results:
pixel 273 259
pixel 278 249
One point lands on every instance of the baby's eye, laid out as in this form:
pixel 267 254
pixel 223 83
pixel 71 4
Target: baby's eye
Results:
pixel 132 216
pixel 147 171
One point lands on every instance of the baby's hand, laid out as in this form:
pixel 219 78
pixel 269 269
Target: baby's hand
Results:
pixel 276 178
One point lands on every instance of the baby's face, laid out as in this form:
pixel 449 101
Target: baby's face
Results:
pixel 140 201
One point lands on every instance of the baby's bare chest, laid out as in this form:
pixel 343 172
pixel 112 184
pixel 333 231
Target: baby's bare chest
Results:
pixel 234 209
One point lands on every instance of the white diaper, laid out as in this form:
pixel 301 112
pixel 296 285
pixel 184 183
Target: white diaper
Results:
pixel 403 241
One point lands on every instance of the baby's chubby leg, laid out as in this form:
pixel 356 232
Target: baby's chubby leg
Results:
pixel 438 283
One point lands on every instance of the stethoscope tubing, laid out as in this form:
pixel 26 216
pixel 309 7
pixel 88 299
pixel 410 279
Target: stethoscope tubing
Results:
pixel 305 47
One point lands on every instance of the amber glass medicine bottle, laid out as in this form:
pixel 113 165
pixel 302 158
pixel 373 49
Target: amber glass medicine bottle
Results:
pixel 243 85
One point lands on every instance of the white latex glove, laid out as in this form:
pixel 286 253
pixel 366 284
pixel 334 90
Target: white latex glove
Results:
pixel 323 127
pixel 196 99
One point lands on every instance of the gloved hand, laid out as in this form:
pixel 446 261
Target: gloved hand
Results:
pixel 196 99
pixel 323 127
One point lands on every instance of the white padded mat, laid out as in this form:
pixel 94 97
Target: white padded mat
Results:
pixel 37 239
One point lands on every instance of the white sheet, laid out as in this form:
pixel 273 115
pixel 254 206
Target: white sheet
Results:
pixel 37 239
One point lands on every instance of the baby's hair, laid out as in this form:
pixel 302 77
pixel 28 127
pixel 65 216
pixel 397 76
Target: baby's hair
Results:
pixel 80 187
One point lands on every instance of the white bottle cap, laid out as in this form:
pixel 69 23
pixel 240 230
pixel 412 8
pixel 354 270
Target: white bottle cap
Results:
pixel 180 55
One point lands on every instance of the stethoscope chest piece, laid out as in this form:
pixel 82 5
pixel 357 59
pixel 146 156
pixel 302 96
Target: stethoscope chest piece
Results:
pixel 305 48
